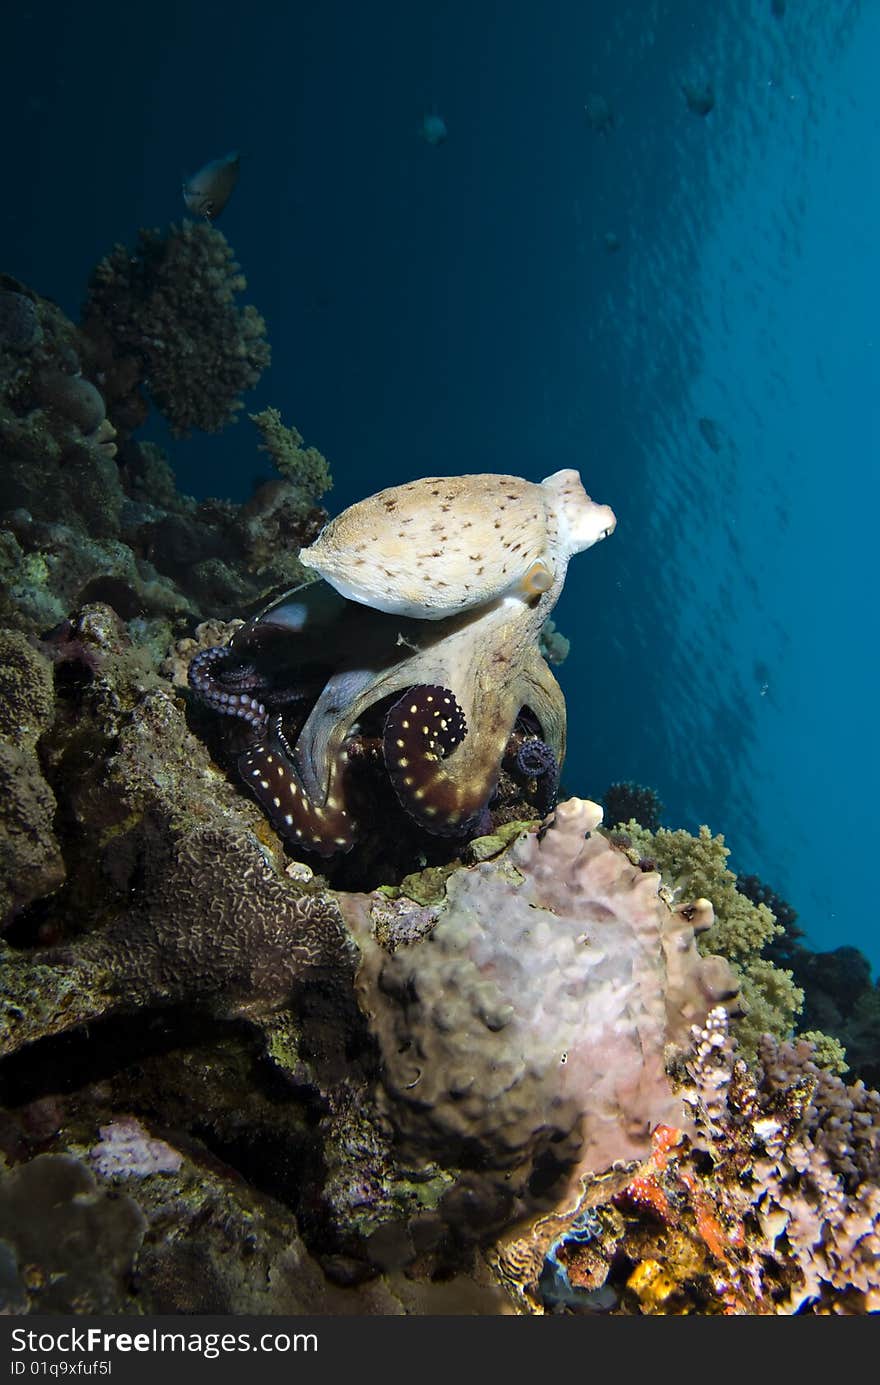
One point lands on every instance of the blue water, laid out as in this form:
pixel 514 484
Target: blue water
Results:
pixel 438 309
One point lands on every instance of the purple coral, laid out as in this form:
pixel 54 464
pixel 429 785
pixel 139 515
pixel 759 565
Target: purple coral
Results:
pixel 797 1161
pixel 127 1150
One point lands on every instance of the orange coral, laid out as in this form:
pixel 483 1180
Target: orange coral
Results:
pixel 645 1190
pixel 711 1229
pixel 663 1141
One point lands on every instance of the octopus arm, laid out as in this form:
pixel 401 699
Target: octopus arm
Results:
pixel 303 788
pixel 537 689
pixel 322 825
pixel 443 776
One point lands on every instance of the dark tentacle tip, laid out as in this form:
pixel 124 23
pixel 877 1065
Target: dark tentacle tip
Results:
pixel 480 825
pixel 535 760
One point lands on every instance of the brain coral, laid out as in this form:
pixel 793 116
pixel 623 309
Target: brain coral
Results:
pixel 172 305
pixel 527 1037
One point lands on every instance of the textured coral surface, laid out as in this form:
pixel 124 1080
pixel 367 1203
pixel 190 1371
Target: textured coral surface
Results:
pixel 541 961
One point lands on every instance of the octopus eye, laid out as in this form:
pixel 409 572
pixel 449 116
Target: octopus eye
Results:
pixel 537 580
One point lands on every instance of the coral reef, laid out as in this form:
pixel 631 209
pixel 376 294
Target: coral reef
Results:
pixel 186 994
pixel 87 513
pixel 449 1076
pixel 769 1206
pixel 56 442
pixel 166 317
pixel 183 1240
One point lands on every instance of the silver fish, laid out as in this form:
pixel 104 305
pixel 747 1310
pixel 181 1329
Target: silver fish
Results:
pixel 207 192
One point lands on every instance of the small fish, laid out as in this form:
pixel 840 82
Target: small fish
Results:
pixel 712 435
pixel 699 96
pixel 433 128
pixel 207 192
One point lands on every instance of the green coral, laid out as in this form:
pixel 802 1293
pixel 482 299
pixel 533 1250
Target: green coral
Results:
pixel 771 1001
pixel 304 467
pixel 695 867
pixel 829 1052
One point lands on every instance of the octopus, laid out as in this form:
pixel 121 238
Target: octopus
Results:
pixel 418 635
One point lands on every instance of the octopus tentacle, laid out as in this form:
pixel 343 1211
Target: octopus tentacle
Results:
pixel 287 696
pixel 270 771
pixel 422 730
pixel 535 760
pixel 227 689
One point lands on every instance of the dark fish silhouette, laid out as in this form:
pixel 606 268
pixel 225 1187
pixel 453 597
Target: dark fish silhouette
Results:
pixel 207 192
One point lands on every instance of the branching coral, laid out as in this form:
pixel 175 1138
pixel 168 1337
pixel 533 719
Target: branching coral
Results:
pixel 759 893
pixel 627 800
pixel 282 515
pixel 797 1157
pixel 171 307
pixel 693 866
pixel 770 1204
pixel 697 865
pixel 305 467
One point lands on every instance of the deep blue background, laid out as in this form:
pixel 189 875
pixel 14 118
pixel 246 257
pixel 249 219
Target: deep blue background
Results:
pixel 453 308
